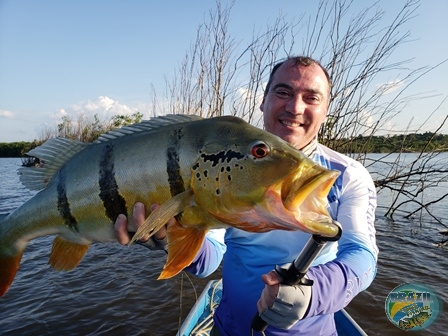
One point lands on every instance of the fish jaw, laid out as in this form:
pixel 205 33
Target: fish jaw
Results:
pixel 299 202
pixel 296 203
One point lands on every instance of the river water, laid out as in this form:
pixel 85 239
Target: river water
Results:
pixel 115 291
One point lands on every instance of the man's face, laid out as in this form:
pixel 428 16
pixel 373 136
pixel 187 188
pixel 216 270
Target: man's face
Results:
pixel 297 103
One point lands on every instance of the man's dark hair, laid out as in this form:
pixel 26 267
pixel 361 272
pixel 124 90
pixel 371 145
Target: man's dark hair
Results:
pixel 297 61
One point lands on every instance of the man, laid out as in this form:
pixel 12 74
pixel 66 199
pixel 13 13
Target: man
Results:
pixel 294 106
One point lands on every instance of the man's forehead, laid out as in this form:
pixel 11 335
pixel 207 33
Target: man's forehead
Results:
pixel 290 65
pixel 285 77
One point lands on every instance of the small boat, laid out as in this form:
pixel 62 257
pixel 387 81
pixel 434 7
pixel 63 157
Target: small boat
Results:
pixel 200 319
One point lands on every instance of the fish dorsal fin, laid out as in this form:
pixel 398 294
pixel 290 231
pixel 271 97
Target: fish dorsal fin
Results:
pixel 147 125
pixel 52 155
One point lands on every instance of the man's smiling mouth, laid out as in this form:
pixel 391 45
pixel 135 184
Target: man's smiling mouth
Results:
pixel 291 123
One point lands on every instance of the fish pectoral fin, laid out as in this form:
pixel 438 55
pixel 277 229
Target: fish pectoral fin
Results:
pixel 8 270
pixel 159 217
pixel 183 245
pixel 66 255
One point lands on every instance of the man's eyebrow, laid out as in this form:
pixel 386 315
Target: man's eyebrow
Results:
pixel 282 86
pixel 289 87
pixel 315 91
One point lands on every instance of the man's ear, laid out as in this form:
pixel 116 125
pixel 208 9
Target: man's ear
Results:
pixel 262 105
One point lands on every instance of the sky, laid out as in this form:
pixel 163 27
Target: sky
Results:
pixel 104 57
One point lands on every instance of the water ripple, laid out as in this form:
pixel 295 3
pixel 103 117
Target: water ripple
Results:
pixel 115 291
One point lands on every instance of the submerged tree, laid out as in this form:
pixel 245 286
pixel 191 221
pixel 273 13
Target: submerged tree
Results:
pixel 219 76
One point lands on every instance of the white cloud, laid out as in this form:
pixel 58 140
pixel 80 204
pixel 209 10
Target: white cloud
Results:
pixel 104 107
pixel 6 114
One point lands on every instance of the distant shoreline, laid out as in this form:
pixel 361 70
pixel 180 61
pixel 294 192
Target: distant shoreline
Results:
pixel 403 143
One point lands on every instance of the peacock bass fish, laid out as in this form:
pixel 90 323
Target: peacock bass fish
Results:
pixel 209 173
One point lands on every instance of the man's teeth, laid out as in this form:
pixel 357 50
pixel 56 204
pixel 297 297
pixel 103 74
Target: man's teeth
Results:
pixel 290 123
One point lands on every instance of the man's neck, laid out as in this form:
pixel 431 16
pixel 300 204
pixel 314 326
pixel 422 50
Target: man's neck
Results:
pixel 309 149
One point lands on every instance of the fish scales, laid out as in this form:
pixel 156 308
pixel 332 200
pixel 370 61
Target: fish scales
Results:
pixel 208 173
pixel 122 176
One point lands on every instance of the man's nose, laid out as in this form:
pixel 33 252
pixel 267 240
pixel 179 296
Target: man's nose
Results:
pixel 296 105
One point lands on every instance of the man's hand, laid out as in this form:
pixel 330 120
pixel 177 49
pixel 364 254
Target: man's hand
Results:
pixel 282 306
pixel 156 242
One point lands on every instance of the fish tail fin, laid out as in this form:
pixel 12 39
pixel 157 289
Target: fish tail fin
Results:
pixel 183 245
pixel 8 270
pixel 11 251
pixel 66 255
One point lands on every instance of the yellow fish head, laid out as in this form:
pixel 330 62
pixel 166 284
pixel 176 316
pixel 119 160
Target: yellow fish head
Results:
pixel 261 183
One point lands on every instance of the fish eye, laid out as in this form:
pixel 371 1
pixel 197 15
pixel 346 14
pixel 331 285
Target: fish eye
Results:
pixel 259 150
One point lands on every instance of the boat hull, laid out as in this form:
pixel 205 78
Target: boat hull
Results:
pixel 200 319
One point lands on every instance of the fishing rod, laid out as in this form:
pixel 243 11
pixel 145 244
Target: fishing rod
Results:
pixel 295 274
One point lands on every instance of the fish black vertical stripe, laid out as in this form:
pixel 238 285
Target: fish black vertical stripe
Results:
pixel 63 204
pixel 113 202
pixel 172 164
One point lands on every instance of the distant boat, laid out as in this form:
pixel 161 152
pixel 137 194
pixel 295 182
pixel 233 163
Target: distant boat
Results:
pixel 31 161
pixel 200 319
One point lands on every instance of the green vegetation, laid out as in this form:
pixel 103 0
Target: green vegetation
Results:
pixel 16 149
pixel 416 142
pixel 88 129
pixel 84 129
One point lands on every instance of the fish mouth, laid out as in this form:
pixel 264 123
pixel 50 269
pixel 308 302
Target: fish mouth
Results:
pixel 302 198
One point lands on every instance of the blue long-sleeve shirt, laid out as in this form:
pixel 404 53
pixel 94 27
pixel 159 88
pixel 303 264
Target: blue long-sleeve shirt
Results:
pixel 340 272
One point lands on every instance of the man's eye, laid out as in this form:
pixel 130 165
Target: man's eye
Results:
pixel 313 98
pixel 281 93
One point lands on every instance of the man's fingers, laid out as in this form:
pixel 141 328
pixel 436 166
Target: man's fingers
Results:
pixel 154 207
pixel 270 278
pixel 269 292
pixel 138 215
pixel 138 218
pixel 120 228
pixel 265 301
